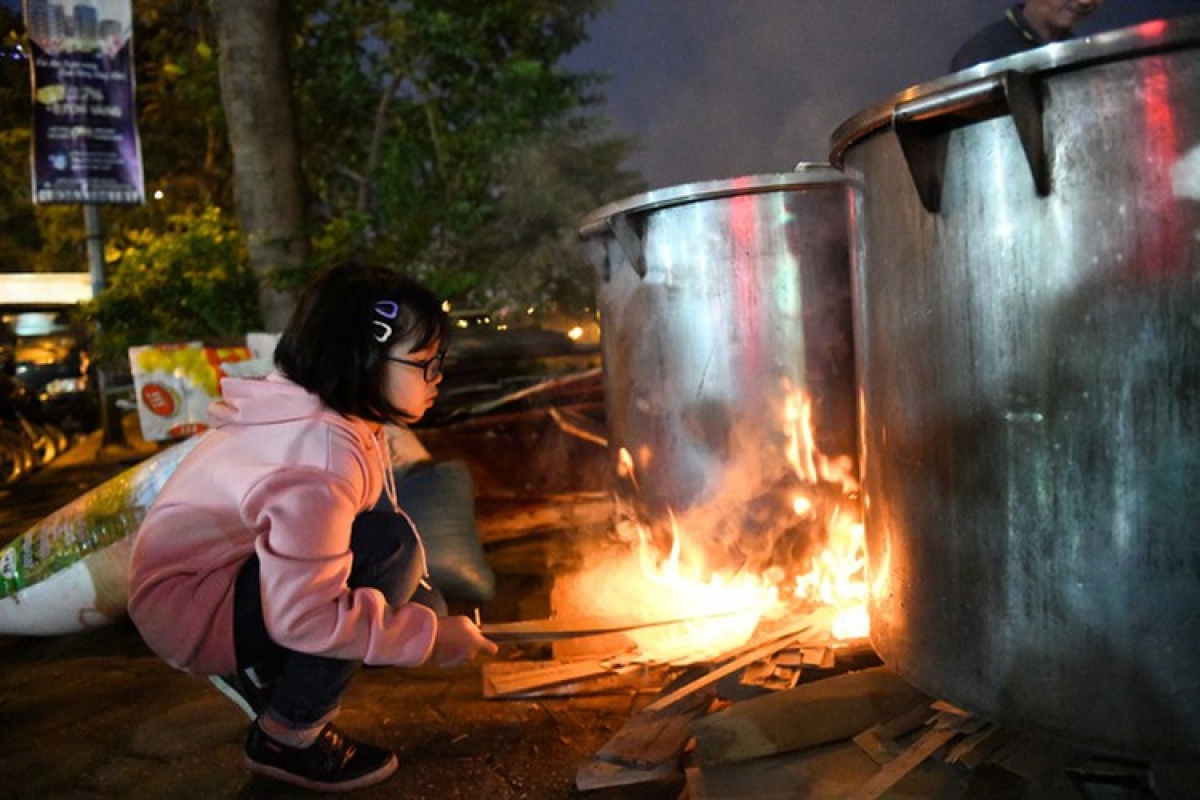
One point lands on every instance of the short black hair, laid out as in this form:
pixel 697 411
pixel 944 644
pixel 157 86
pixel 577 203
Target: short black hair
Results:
pixel 344 323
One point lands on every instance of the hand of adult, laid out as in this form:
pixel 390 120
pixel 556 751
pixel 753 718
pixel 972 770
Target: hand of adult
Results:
pixel 458 641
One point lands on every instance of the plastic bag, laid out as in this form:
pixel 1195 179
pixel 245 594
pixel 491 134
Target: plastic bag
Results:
pixel 440 498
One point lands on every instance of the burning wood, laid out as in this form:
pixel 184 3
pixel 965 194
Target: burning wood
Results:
pixel 777 641
pixel 782 537
pixel 754 585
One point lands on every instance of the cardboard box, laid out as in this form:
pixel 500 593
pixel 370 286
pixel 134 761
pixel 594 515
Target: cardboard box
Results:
pixel 175 383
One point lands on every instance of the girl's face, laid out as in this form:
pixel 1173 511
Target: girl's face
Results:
pixel 404 379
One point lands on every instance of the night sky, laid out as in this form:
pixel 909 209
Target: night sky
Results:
pixel 721 88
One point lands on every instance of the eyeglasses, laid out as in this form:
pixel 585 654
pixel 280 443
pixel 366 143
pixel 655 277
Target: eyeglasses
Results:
pixel 431 368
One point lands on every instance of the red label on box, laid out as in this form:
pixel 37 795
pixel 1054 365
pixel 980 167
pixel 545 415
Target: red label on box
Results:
pixel 158 400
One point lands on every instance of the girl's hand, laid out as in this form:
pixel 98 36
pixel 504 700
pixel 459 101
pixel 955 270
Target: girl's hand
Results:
pixel 458 641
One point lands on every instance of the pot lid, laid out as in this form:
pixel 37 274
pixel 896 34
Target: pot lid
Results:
pixel 1155 36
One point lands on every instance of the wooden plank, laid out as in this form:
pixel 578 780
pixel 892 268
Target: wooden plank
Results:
pixel 879 742
pixel 976 748
pixel 647 679
pixel 554 673
pixel 812 714
pixel 811 626
pixel 949 708
pixel 895 770
pixel 579 425
pixel 651 738
pixel 963 725
pixel 769 674
pixel 906 723
pixel 596 775
pixel 553 629
pixel 791 657
pixel 817 774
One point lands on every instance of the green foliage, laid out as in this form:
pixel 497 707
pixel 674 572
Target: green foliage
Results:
pixel 18 226
pixel 14 72
pixel 529 254
pixel 190 282
pixel 184 146
pixel 442 126
pixel 443 137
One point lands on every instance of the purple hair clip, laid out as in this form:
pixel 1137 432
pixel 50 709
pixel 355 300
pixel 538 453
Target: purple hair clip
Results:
pixel 388 309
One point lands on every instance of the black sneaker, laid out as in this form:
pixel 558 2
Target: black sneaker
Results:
pixel 245 690
pixel 333 763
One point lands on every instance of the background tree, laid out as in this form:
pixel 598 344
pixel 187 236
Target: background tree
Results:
pixel 191 280
pixel 430 119
pixel 180 118
pixel 256 94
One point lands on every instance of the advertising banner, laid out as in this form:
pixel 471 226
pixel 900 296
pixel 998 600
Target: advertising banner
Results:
pixel 85 140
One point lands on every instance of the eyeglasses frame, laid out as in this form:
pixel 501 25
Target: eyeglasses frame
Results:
pixel 437 359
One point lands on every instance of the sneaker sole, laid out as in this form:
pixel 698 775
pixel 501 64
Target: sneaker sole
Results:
pixel 369 779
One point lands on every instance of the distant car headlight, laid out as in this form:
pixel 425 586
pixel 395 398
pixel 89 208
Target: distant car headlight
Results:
pixel 66 386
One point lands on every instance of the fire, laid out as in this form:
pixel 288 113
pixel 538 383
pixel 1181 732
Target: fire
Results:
pixel 838 574
pixel 837 579
pixel 721 610
pixel 727 591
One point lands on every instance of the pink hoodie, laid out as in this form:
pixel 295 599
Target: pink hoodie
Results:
pixel 282 475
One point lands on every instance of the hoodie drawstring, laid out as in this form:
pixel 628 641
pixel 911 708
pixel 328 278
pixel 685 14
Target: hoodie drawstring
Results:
pixel 384 452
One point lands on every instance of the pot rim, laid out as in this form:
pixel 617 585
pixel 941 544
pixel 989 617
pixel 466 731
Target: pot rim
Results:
pixel 802 175
pixel 1149 37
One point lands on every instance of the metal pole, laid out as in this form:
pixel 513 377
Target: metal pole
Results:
pixel 112 431
pixel 94 236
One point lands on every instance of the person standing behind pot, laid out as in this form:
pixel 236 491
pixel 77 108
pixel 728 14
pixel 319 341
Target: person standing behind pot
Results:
pixel 262 564
pixel 1024 27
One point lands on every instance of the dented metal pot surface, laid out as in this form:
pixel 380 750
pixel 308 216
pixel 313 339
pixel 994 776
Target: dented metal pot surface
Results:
pixel 718 301
pixel 1027 327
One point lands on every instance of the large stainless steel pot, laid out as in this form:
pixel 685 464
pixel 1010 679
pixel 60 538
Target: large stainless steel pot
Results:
pixel 1027 327
pixel 717 300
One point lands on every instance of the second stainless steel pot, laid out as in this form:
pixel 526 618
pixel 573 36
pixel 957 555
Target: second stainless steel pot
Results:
pixel 1027 312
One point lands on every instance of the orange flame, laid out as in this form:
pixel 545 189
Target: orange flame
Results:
pixel 685 583
pixel 837 577
pixel 723 609
pixel 837 580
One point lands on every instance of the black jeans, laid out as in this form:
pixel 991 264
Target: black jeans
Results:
pixel 306 688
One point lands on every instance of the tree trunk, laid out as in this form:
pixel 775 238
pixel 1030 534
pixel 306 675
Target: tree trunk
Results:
pixel 268 188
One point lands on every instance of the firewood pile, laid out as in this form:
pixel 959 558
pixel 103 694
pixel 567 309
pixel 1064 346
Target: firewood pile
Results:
pixel 790 714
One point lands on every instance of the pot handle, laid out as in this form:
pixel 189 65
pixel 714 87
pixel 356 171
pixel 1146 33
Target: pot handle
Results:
pixel 922 127
pixel 628 234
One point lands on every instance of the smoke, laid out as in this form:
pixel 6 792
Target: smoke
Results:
pixel 721 88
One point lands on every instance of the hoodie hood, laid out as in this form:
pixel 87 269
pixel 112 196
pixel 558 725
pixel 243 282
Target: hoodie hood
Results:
pixel 275 399
pixel 257 401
